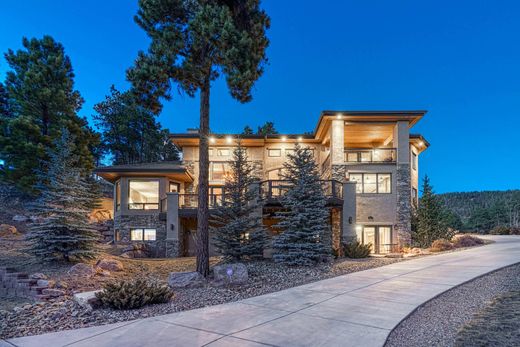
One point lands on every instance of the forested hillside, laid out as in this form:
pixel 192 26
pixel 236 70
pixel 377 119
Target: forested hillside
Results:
pixel 482 211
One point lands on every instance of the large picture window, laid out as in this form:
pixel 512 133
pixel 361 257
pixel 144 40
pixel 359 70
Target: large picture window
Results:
pixel 372 183
pixel 143 194
pixel 219 171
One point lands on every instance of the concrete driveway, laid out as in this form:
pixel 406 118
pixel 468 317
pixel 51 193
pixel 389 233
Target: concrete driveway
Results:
pixel 358 309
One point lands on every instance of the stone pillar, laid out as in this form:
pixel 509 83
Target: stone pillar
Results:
pixel 337 149
pixel 403 188
pixel 173 234
pixel 349 211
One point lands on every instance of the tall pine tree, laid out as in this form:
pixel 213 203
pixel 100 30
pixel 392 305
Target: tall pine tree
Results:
pixel 429 221
pixel 129 132
pixel 62 229
pixel 305 235
pixel 193 42
pixel 42 101
pixel 237 226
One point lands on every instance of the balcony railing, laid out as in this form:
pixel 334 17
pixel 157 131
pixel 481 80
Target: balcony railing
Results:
pixel 364 155
pixel 273 189
pixel 192 200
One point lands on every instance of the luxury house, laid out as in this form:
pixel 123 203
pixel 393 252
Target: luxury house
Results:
pixel 368 162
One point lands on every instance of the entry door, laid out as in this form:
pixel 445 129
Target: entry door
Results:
pixel 369 236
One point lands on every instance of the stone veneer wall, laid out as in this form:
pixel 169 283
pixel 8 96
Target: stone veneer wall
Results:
pixel 339 172
pixel 403 226
pixel 158 248
pixel 335 221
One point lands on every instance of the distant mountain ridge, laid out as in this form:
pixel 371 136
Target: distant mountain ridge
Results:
pixel 484 210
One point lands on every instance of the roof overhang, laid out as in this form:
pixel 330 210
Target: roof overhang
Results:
pixel 174 172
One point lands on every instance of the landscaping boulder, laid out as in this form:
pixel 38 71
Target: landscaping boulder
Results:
pixel 7 230
pixel 82 269
pixel 45 283
pixel 20 218
pixel 102 273
pixel 38 276
pixel 87 300
pixel 110 264
pixel 53 292
pixel 230 274
pixel 185 280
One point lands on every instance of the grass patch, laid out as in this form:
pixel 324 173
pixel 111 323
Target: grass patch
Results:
pixel 496 325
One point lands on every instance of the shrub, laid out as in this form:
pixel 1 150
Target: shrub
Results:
pixel 356 250
pixel 130 294
pixel 500 230
pixel 467 241
pixel 441 245
pixel 505 230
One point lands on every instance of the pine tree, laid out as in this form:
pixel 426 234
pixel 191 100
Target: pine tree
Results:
pixel 194 42
pixel 42 101
pixel 62 229
pixel 267 129
pixel 237 226
pixel 305 236
pixel 247 130
pixel 129 132
pixel 430 224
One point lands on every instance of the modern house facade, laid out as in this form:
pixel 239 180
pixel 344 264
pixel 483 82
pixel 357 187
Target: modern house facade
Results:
pixel 368 162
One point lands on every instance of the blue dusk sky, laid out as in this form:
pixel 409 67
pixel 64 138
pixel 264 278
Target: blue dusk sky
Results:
pixel 460 60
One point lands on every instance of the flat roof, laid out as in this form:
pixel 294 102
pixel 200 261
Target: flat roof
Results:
pixel 173 169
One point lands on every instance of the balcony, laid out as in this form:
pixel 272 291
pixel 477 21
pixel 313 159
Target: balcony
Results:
pixel 368 155
pixel 272 190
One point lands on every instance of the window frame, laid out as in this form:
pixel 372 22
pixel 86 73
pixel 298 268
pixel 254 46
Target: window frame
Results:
pixel 414 160
pixel 143 232
pixel 211 166
pixel 376 182
pixel 271 150
pixel 144 203
pixel 117 189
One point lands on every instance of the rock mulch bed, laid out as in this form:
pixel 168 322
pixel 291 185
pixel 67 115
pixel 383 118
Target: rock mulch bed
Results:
pixel 264 277
pixel 438 322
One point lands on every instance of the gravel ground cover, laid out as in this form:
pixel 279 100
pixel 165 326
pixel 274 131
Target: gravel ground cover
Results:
pixel 439 321
pixel 496 325
pixel 264 277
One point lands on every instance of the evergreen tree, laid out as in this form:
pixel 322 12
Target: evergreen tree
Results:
pixel 267 129
pixel 62 229
pixel 193 42
pixel 237 226
pixel 430 218
pixel 247 130
pixel 5 113
pixel 305 238
pixel 42 101
pixel 130 133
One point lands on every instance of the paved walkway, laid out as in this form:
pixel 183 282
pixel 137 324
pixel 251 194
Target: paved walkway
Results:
pixel 358 309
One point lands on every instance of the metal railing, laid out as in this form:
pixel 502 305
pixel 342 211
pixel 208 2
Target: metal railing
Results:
pixel 192 200
pixel 272 189
pixel 143 206
pixel 368 155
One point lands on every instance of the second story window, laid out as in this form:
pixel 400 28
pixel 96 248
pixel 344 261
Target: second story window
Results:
pixel 372 183
pixel 414 161
pixel 143 194
pixel 277 152
pixel 218 171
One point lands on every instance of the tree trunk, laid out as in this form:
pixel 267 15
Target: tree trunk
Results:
pixel 203 188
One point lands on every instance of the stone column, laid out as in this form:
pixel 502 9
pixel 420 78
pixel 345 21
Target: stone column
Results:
pixel 348 218
pixel 173 234
pixel 337 149
pixel 403 187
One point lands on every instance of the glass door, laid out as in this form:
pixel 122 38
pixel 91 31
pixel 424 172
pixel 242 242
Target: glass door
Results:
pixel 385 239
pixel 369 236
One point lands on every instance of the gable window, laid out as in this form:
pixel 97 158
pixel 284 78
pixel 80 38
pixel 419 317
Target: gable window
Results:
pixel 143 234
pixel 274 152
pixel 218 171
pixel 143 194
pixel 118 195
pixel 372 183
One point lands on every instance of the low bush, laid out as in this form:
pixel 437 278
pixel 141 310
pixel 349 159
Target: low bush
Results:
pixel 441 245
pixel 467 241
pixel 131 294
pixel 356 250
pixel 505 230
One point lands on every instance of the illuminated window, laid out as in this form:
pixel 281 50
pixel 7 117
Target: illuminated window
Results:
pixel 219 171
pixel 143 194
pixel 223 152
pixel 118 195
pixel 142 234
pixel 174 187
pixel 289 151
pixel 274 152
pixel 372 183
